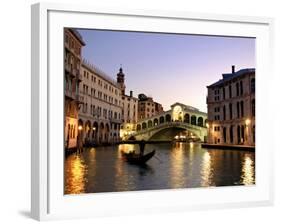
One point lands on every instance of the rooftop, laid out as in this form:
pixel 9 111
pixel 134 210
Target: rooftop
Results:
pixel 77 35
pixel 99 72
pixel 188 107
pixel 229 76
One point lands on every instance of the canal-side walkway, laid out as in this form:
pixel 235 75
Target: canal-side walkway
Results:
pixel 228 146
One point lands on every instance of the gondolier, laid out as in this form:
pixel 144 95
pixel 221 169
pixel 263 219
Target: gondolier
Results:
pixel 138 158
pixel 142 145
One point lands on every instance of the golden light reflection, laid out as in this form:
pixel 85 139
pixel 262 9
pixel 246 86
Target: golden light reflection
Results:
pixel 126 148
pixel 122 179
pixel 75 176
pixel 177 166
pixel 248 171
pixel 206 170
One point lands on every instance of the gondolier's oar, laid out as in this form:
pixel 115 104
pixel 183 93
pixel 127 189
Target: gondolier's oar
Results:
pixel 158 158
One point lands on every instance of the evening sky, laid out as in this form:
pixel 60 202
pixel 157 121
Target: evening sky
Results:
pixel 168 67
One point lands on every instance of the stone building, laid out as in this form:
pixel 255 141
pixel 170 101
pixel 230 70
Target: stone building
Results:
pixel 129 107
pixel 129 102
pixel 231 108
pixel 100 114
pixel 147 107
pixel 73 44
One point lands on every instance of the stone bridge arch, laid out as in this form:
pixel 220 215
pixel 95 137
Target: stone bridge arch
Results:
pixel 147 134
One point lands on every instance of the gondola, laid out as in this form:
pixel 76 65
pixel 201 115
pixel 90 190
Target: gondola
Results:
pixel 135 158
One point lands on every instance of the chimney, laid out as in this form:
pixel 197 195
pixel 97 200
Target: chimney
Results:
pixel 233 69
pixel 131 93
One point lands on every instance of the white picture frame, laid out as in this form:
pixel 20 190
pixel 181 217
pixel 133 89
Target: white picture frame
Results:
pixel 48 201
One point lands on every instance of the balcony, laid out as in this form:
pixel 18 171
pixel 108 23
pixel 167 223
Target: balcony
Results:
pixel 117 121
pixel 69 94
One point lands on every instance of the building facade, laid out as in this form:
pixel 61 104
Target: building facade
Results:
pixel 147 107
pixel 129 107
pixel 231 108
pixel 73 44
pixel 100 114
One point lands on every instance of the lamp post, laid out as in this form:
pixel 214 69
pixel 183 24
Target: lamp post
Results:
pixel 208 132
pixel 247 122
pixel 80 128
pixel 94 134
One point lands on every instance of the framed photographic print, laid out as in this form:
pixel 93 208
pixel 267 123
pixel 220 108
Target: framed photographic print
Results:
pixel 148 111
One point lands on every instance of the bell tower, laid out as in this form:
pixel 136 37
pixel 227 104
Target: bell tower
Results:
pixel 121 80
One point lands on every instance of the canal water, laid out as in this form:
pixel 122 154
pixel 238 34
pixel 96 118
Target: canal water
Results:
pixel 175 165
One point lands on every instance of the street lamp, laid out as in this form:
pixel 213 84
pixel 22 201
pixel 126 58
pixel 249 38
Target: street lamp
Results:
pixel 79 138
pixel 247 122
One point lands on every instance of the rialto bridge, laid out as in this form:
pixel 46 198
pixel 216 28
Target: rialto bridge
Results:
pixel 166 125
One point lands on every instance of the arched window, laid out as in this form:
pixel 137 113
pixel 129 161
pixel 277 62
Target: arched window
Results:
pixel 186 118
pixel 238 109
pixel 237 89
pixel 241 87
pixel 224 134
pixel 193 120
pixel 231 134
pixel 161 119
pixel 143 125
pixel 155 122
pixel 230 111
pixel 149 124
pixel 253 107
pixel 138 127
pixel 253 85
pixel 68 131
pixel 238 134
pixel 200 121
pixel 230 91
pixel 101 135
pixel 168 118
pixel 72 136
pixel 242 108
pixel 242 133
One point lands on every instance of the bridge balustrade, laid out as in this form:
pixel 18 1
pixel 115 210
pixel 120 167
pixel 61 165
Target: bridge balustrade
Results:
pixel 167 124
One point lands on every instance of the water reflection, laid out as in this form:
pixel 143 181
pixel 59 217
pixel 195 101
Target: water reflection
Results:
pixel 179 165
pixel 248 171
pixel 206 170
pixel 75 172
